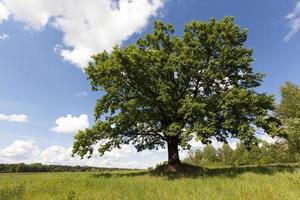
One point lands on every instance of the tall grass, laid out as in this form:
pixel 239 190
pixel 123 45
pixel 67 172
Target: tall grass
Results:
pixel 259 183
pixel 12 193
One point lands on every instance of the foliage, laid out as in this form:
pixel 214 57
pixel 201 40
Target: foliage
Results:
pixel 289 112
pixel 168 90
pixel 264 182
pixel 265 153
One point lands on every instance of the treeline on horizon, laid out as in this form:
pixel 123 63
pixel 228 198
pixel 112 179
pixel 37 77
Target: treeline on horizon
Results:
pixel 265 153
pixel 38 167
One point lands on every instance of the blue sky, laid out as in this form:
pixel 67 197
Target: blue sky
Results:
pixel 43 48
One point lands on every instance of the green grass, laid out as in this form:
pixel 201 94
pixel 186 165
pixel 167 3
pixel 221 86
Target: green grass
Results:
pixel 252 182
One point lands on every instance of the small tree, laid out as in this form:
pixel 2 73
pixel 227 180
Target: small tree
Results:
pixel 226 154
pixel 165 91
pixel 210 154
pixel 194 157
pixel 241 155
pixel 289 112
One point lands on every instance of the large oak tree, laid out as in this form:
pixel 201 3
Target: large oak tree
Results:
pixel 166 90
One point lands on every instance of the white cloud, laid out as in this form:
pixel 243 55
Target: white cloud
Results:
pixel 293 22
pixel 4 36
pixel 81 94
pixel 20 149
pixel 70 124
pixel 55 154
pixel 269 139
pixel 27 152
pixel 57 48
pixel 88 26
pixel 4 14
pixel 14 118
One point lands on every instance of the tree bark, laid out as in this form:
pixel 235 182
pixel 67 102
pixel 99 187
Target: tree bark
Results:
pixel 173 153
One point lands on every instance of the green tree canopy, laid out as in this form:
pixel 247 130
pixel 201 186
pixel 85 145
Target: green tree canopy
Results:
pixel 289 112
pixel 166 90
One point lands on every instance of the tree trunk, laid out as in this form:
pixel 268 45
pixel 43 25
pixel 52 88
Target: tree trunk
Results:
pixel 173 154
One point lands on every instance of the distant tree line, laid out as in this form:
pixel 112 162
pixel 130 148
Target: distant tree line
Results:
pixel 265 153
pixel 38 167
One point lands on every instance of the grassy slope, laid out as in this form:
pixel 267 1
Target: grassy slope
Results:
pixel 277 182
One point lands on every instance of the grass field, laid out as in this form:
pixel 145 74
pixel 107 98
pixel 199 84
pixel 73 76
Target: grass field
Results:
pixel 273 182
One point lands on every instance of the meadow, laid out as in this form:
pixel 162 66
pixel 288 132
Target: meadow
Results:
pixel 253 182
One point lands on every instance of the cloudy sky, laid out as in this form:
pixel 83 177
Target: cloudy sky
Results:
pixel 44 45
